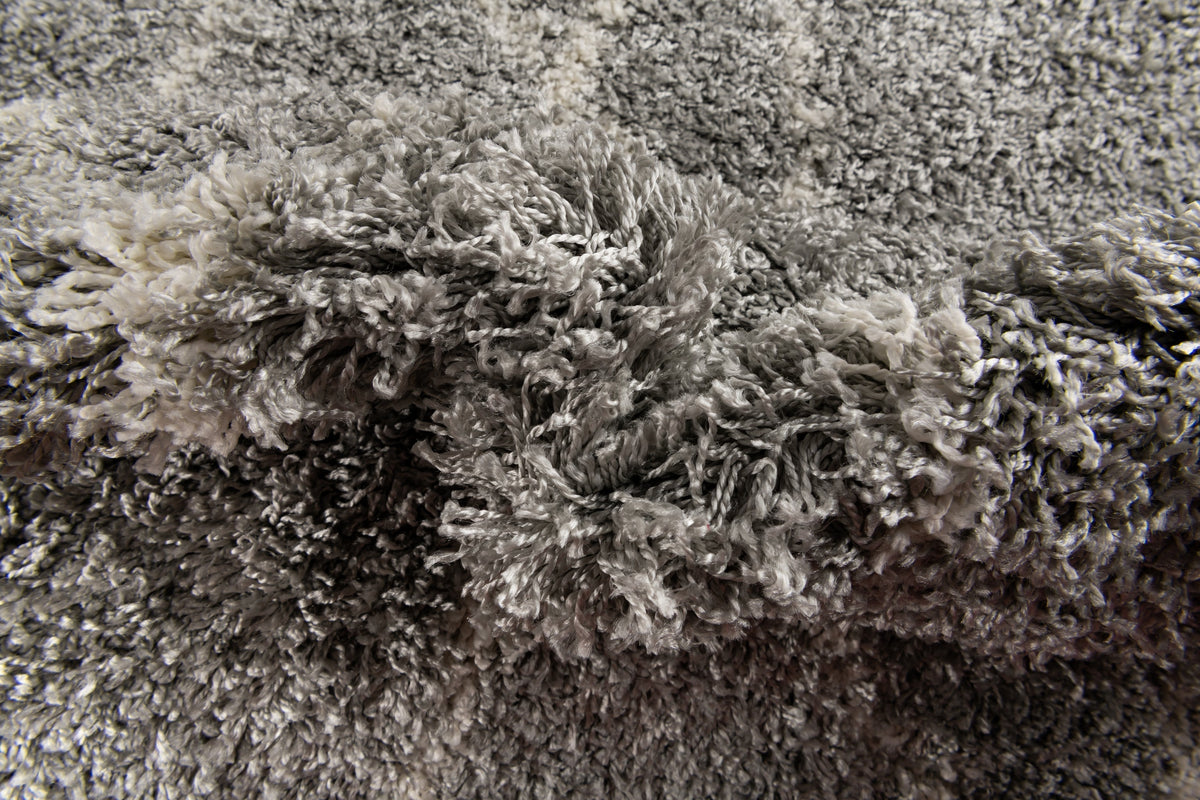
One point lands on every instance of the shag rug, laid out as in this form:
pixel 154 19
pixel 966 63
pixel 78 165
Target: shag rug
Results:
pixel 603 400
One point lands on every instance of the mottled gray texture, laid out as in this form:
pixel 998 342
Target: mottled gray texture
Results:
pixel 1001 117
pixel 604 400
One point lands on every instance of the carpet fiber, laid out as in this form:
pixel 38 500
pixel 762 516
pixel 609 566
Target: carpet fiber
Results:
pixel 610 399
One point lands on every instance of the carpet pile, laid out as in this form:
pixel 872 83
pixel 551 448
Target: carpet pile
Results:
pixel 611 399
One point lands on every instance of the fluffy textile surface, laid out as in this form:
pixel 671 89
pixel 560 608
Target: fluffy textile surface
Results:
pixel 487 399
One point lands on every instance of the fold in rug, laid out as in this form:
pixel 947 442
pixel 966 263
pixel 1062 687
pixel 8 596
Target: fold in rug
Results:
pixel 379 448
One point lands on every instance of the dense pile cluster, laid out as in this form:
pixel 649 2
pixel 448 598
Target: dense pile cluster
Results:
pixel 388 449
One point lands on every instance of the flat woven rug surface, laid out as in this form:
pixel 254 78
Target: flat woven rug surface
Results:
pixel 606 399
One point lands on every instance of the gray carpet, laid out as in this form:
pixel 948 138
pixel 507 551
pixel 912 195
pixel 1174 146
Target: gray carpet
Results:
pixel 615 400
